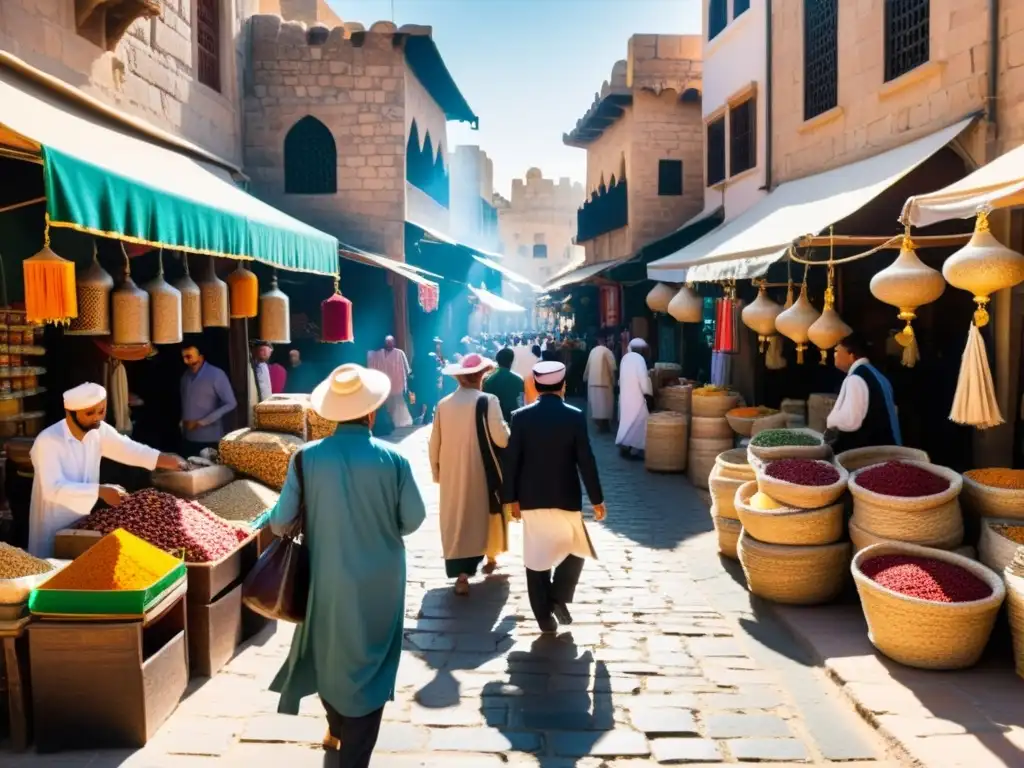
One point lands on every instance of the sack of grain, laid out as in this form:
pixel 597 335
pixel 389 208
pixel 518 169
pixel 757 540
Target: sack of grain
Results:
pixel 284 413
pixel 262 455
pixel 193 482
pixel 241 501
pixel 318 426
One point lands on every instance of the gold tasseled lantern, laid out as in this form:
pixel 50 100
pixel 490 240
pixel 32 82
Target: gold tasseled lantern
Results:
pixel 275 321
pixel 191 301
pixel 829 329
pixel 794 322
pixel 759 316
pixel 687 306
pixel 245 293
pixel 214 294
pixel 907 283
pixel 165 305
pixel 130 310
pixel 659 297
pixel 94 286
pixel 983 266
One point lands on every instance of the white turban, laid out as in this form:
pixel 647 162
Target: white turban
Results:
pixel 549 372
pixel 637 344
pixel 84 396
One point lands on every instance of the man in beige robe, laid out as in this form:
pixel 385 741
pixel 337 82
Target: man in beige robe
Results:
pixel 393 362
pixel 600 377
pixel 469 531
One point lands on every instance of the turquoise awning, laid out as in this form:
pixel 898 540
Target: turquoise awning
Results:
pixel 102 178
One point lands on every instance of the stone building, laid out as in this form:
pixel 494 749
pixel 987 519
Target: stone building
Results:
pixel 472 215
pixel 644 148
pixel 538 225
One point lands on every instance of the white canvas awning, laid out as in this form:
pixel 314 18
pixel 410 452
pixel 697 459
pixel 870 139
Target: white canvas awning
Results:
pixel 999 184
pixel 744 247
pixel 581 273
pixel 495 302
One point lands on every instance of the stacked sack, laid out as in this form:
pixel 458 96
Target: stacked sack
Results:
pixel 792 518
pixel 710 433
pixel 993 503
pixel 730 472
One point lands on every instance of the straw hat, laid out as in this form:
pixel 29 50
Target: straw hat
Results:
pixel 350 393
pixel 468 365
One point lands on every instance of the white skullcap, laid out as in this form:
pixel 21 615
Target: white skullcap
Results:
pixel 549 372
pixel 84 396
pixel 636 344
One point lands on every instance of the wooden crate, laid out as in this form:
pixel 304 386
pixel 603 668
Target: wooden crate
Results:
pixel 15 672
pixel 108 683
pixel 207 581
pixel 265 538
pixel 69 543
pixel 214 632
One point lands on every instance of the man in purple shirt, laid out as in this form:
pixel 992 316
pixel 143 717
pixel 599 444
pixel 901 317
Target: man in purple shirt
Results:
pixel 206 397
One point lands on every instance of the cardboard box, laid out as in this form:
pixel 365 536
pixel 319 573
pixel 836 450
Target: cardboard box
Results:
pixel 214 632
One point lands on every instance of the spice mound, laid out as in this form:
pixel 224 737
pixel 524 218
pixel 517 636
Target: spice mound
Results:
pixel 897 478
pixel 925 578
pixel 710 391
pixel 242 500
pixel 1007 479
pixel 17 563
pixel 777 438
pixel 1014 533
pixel 803 472
pixel 172 524
pixel 753 412
pixel 764 502
pixel 117 562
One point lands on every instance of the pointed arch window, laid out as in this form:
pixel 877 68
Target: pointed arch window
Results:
pixel 310 159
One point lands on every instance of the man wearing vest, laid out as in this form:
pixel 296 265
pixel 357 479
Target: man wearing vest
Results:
pixel 865 411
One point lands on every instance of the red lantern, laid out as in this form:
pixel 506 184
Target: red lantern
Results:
pixel 336 318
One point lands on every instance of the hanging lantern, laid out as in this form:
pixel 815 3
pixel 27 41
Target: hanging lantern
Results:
pixel 794 322
pixel 275 317
pixel 759 316
pixel 983 266
pixel 789 297
pixel 130 310
pixel 191 302
pixel 93 288
pixel 687 306
pixel 245 293
pixel 829 329
pixel 907 283
pixel 659 297
pixel 336 318
pixel 165 306
pixel 50 295
pixel 214 296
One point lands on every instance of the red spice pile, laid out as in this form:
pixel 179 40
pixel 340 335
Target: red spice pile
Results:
pixel 925 578
pixel 172 524
pixel 803 472
pixel 897 478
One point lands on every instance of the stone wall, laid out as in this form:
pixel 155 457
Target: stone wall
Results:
pixel 1011 75
pixel 151 72
pixel 421 107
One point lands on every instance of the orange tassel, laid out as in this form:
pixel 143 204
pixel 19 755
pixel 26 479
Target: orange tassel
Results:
pixel 245 293
pixel 50 295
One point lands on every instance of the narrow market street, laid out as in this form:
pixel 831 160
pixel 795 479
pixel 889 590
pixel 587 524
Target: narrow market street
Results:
pixel 667 662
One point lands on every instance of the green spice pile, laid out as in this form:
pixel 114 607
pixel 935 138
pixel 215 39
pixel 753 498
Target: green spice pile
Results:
pixel 777 438
pixel 17 563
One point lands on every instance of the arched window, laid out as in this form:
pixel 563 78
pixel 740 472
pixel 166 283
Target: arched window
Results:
pixel 310 159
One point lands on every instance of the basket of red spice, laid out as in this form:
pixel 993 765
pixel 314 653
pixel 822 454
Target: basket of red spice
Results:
pixel 924 607
pixel 802 483
pixel 856 458
pixel 908 501
pixel 796 575
pixel 862 538
pixel 995 492
pixel 788 524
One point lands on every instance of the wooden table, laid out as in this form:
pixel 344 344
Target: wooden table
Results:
pixel 16 666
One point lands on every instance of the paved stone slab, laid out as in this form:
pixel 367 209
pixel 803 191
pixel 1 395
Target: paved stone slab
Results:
pixel 614 743
pixel 483 740
pixel 663 721
pixel 685 751
pixel 763 750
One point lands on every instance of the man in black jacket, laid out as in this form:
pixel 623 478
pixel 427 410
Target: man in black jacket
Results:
pixel 548 452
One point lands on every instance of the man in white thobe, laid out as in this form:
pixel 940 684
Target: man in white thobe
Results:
pixel 600 377
pixel 66 460
pixel 524 360
pixel 634 389
pixel 393 362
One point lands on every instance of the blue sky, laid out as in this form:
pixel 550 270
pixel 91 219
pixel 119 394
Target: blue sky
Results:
pixel 529 68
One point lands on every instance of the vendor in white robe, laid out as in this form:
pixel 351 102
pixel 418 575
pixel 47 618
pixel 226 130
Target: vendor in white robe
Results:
pixel 634 389
pixel 66 460
pixel 600 377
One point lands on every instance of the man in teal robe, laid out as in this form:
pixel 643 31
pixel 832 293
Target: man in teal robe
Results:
pixel 360 499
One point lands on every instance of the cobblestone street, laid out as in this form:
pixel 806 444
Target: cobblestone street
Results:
pixel 667 662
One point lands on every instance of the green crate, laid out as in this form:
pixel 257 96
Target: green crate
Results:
pixel 82 602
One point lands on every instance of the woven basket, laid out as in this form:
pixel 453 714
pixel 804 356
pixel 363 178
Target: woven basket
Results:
pixel 793 575
pixel 703 428
pixel 319 427
pixel 986 501
pixel 729 532
pixel 923 633
pixel 995 550
pixel 701 459
pixel 723 492
pixel 744 425
pixel 666 446
pixel 788 525
pixel 733 464
pixel 820 451
pixel 879 454
pixel 802 496
pixel 862 537
pixel 283 413
pixel 676 397
pixel 713 406
pixel 1015 606
pixel 918 519
pixel 775 421
pixel 966 551
pixel 818 408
